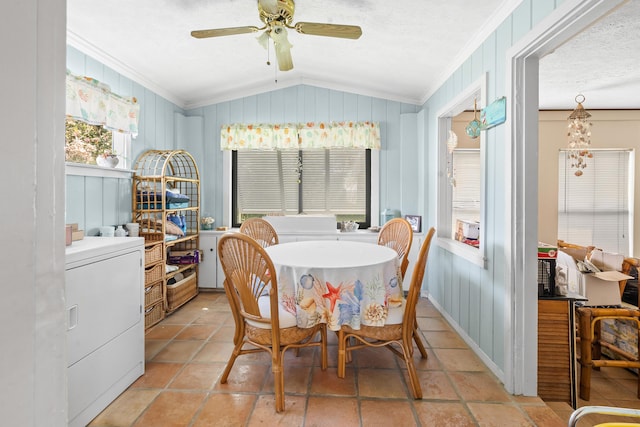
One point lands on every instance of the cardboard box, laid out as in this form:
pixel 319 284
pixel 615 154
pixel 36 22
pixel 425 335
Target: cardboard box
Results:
pixel 466 229
pixel 599 288
pixel 606 260
pixel 547 251
pixel 602 288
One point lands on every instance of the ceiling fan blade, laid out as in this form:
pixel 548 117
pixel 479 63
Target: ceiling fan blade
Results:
pixel 219 32
pixel 329 30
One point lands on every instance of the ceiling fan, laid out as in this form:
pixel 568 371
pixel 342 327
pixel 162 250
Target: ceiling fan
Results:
pixel 277 16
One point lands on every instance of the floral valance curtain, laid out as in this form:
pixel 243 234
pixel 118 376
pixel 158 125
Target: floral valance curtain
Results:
pixel 297 136
pixel 93 102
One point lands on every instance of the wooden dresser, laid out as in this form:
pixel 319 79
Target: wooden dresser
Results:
pixel 557 375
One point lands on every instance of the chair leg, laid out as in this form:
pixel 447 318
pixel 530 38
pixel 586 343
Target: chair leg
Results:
pixel 234 354
pixel 586 362
pixel 278 378
pixel 596 349
pixel 342 354
pixel 323 347
pixel 411 371
pixel 416 338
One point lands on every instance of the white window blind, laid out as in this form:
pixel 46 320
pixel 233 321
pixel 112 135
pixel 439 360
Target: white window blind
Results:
pixel 307 181
pixel 466 192
pixel 594 208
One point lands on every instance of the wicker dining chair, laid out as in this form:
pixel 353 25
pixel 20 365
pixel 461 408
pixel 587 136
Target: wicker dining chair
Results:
pixel 394 335
pixel 260 230
pixel 261 323
pixel 397 234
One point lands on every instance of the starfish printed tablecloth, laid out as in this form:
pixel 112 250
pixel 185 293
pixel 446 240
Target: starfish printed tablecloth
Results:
pixel 339 283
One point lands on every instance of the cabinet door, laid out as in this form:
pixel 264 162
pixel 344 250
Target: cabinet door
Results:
pixel 207 270
pixel 359 237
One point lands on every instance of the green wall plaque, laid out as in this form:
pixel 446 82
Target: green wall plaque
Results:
pixel 494 114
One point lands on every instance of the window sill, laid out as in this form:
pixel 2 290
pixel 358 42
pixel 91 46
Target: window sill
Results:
pixel 471 254
pixel 98 171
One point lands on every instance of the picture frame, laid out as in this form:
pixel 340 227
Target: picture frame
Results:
pixel 415 221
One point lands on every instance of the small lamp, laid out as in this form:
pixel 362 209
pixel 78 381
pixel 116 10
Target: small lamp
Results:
pixel 579 136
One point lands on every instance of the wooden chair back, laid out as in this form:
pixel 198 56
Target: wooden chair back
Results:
pixel 247 269
pixel 397 235
pixel 260 230
pixel 409 317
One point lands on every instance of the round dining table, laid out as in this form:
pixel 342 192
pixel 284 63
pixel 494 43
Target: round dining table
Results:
pixel 338 282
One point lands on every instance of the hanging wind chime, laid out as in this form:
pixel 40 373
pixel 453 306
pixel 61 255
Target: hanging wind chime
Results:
pixel 579 136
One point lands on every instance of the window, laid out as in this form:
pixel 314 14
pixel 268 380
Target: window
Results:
pixel 465 200
pixel 322 181
pixel 595 208
pixel 84 143
pixel 461 183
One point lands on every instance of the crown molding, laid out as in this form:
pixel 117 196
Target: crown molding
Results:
pixel 503 11
pixel 120 67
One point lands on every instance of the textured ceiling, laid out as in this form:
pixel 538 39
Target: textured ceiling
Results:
pixel 406 50
pixel 602 63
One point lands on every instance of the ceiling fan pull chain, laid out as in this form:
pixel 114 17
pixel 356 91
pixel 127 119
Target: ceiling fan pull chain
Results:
pixel 268 52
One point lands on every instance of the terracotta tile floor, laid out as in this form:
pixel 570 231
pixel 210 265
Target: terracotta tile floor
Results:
pixel 186 354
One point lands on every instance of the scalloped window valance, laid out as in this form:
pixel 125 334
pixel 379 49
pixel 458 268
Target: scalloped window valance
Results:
pixel 242 136
pixel 93 102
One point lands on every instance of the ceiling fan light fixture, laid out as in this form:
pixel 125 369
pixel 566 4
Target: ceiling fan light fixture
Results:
pixel 263 39
pixel 282 47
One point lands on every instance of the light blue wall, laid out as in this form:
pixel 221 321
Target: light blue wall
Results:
pixel 303 103
pixel 474 297
pixel 95 201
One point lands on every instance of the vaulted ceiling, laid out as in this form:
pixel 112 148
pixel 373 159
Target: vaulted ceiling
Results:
pixel 405 52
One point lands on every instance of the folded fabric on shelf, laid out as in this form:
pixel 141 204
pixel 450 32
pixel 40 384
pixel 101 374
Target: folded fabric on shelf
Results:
pixel 170 197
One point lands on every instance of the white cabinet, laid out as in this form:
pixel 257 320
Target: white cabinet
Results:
pixel 104 296
pixel 367 237
pixel 209 270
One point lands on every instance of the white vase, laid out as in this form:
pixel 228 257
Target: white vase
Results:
pixel 110 161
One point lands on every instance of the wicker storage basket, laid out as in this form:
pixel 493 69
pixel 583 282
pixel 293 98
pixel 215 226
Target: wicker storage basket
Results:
pixel 153 293
pixel 154 314
pixel 152 236
pixel 153 253
pixel 181 292
pixel 153 274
